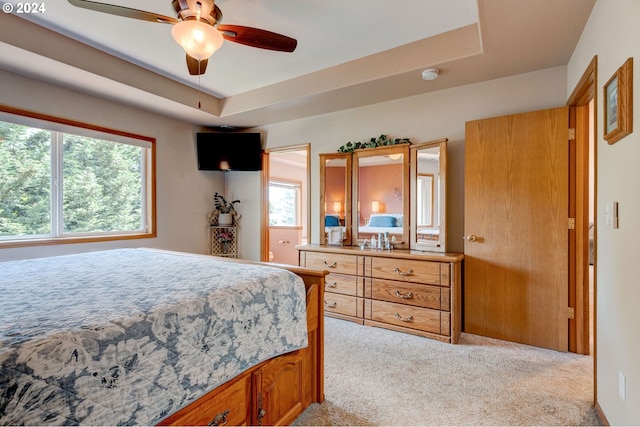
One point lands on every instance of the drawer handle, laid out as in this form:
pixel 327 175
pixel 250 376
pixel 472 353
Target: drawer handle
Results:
pixel 409 272
pixel 405 319
pixel 408 295
pixel 334 265
pixel 331 304
pixel 220 419
pixel 332 285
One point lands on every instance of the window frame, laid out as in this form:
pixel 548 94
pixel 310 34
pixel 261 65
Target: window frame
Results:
pixel 297 187
pixel 58 124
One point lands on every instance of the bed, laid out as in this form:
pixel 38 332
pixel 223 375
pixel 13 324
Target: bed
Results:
pixel 382 223
pixel 144 337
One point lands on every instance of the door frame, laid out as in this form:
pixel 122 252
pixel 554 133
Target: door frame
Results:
pixel 580 120
pixel 266 173
pixel 583 120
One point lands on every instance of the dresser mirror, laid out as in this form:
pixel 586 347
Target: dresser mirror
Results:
pixel 428 196
pixel 380 194
pixel 335 198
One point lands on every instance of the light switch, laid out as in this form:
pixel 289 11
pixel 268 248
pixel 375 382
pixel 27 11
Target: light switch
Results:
pixel 611 214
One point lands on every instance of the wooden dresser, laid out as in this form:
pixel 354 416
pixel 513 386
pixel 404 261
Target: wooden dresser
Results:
pixel 404 290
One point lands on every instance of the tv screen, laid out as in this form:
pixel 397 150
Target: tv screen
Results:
pixel 220 151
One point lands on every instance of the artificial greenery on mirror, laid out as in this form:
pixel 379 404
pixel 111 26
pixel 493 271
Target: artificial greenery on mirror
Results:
pixel 380 141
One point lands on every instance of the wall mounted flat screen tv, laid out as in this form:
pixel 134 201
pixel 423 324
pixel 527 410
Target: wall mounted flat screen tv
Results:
pixel 228 151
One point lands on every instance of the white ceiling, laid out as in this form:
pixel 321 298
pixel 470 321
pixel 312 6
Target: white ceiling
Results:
pixel 350 53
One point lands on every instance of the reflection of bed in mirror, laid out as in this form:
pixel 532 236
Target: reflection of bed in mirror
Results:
pixel 332 221
pixel 382 223
pixel 334 229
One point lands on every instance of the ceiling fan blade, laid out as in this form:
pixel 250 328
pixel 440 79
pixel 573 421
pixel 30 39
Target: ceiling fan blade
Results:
pixel 196 67
pixel 256 37
pixel 123 11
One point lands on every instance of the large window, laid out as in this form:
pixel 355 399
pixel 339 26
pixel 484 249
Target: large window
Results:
pixel 71 182
pixel 284 203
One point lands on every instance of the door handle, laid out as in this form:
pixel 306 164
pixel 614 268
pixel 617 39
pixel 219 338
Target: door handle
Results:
pixel 471 238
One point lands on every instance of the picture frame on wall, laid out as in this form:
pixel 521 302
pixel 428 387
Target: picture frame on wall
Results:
pixel 618 103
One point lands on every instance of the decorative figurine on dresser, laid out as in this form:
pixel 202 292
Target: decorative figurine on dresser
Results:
pixel 392 270
pixel 223 228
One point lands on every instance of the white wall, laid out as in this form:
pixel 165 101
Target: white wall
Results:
pixel 421 118
pixel 612 34
pixel 184 194
pixel 246 186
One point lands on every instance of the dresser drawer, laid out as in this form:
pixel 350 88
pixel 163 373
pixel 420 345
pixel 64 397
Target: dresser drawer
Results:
pixel 419 295
pixel 334 263
pixel 344 284
pixel 430 272
pixel 423 319
pixel 343 304
pixel 229 406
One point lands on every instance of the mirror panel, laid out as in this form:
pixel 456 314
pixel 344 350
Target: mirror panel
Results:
pixel 335 198
pixel 381 200
pixel 428 200
pixel 425 201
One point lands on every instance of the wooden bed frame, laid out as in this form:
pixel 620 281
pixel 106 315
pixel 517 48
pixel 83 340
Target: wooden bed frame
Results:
pixel 277 390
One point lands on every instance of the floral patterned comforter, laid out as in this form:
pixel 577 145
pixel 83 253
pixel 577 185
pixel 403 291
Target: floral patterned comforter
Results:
pixel 129 336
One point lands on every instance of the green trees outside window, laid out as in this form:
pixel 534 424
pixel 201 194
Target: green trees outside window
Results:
pixel 55 184
pixel 284 203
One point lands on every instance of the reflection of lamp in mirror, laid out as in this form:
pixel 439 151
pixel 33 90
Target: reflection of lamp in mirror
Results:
pixel 375 206
pixel 337 207
pixel 395 156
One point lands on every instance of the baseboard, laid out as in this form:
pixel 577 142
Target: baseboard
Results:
pixel 603 418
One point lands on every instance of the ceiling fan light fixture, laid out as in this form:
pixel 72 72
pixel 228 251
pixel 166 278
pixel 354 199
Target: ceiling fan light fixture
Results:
pixel 198 39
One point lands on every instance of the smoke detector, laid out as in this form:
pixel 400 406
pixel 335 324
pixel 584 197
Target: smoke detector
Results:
pixel 430 74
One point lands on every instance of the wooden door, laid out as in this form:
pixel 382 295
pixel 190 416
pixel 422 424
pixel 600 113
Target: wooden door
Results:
pixel 516 228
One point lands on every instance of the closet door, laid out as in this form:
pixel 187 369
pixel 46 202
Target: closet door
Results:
pixel 516 228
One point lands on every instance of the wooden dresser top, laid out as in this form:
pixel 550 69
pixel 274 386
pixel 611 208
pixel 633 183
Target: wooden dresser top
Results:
pixel 395 253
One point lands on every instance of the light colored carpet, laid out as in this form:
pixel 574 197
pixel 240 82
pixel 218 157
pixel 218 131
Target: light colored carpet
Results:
pixel 375 376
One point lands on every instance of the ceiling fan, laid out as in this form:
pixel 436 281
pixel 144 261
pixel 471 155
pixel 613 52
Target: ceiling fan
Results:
pixel 198 30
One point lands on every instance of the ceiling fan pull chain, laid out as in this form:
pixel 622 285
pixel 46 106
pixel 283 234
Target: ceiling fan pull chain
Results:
pixel 199 89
